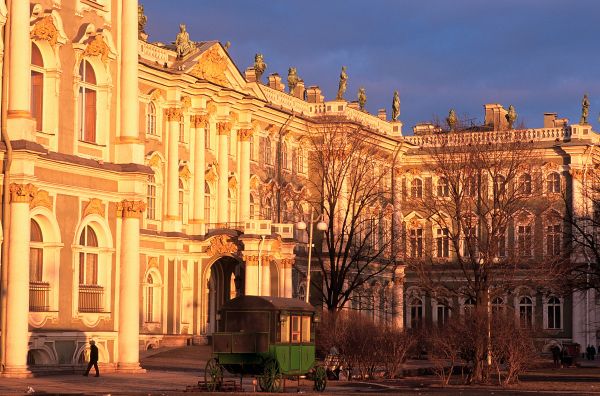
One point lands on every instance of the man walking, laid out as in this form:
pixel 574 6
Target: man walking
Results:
pixel 93 359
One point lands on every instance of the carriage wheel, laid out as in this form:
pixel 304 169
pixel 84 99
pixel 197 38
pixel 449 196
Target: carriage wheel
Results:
pixel 213 375
pixel 320 378
pixel 270 380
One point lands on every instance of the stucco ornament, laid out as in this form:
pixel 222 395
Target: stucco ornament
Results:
pixel 183 44
pixel 511 116
pixel 221 245
pixel 292 79
pixel 44 30
pixel 97 47
pixel 342 84
pixel 94 206
pixel 395 106
pixel 362 98
pixel 585 109
pixel 452 120
pixel 259 66
pixel 211 67
pixel 42 198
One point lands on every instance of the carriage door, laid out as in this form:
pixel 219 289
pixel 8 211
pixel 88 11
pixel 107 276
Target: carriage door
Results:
pixel 295 342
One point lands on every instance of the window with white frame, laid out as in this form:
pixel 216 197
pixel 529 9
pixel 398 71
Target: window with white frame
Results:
pixel 415 307
pixel 300 160
pixel 469 241
pixel 498 305
pixel 253 208
pixel 525 184
pixel 553 313
pixel 415 242
pixel 525 309
pixel 87 102
pixel 470 186
pixel 151 119
pixel 151 198
pixel 284 156
pixel 268 151
pixel 443 189
pixel 152 297
pixel 442 243
pixel 469 305
pixel 39 290
pixel 442 312
pixel 499 185
pixel 37 86
pixel 416 188
pixel 553 183
pixel 524 239
pixel 91 293
pixel 553 239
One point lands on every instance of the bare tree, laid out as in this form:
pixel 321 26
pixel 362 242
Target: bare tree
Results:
pixel 350 186
pixel 477 191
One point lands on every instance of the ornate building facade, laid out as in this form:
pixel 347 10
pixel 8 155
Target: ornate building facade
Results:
pixel 146 184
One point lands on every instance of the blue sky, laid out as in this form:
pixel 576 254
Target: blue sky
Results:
pixel 539 55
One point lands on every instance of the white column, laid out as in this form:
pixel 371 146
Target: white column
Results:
pixel 173 116
pixel 17 299
pixel 287 272
pixel 129 287
pixel 251 281
pixel 244 192
pixel 129 146
pixel 223 130
pixel 199 124
pixel 20 124
pixel 265 277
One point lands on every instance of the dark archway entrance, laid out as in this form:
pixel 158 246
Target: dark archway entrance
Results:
pixel 225 281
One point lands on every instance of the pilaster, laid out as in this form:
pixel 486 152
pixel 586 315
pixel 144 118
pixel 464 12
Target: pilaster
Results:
pixel 173 221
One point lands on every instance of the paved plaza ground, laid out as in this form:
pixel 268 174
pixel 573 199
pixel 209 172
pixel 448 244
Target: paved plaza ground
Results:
pixel 169 371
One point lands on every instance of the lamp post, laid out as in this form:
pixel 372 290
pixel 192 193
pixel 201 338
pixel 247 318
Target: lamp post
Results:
pixel 321 226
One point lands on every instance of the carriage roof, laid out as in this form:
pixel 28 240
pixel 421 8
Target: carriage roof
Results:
pixel 253 303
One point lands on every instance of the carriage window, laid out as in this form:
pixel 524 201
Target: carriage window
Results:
pixel 306 329
pixel 285 329
pixel 295 329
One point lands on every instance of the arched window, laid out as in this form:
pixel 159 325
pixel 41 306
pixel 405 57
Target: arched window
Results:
pixel 526 311
pixel 416 188
pixel 553 183
pixel 267 212
pixel 151 119
pixel 39 291
pixel 37 86
pixel 284 156
pixel 180 200
pixel 553 313
pixel 87 103
pixel 443 189
pixel 415 307
pixel 525 184
pixel 151 198
pixel 469 304
pixel 150 299
pixel 553 239
pixel 207 203
pixel 497 305
pixel 91 294
pixel 268 151
pixel 300 160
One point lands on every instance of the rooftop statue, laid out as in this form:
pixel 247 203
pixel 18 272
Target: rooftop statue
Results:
pixel 292 79
pixel 511 116
pixel 183 43
pixel 343 82
pixel 585 109
pixel 395 106
pixel 142 21
pixel 362 98
pixel 259 66
pixel 227 45
pixel 452 120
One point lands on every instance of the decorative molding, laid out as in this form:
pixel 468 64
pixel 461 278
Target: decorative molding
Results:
pixel 42 198
pixel 173 114
pixel 245 134
pixel 45 30
pixel 576 173
pixel 20 193
pixel 94 206
pixel 222 245
pixel 156 95
pixel 211 67
pixel 184 172
pixel 186 102
pixel 232 183
pixel 199 121
pixel 223 128
pixel 152 262
pixel 130 209
pixel 97 47
pixel 155 160
pixel 211 175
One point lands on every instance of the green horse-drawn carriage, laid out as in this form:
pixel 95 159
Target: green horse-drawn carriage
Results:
pixel 269 337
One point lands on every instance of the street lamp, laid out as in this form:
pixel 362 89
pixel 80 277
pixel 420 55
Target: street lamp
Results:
pixel 321 226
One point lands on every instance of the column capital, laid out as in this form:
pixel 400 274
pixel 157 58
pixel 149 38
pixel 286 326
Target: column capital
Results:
pixel 130 209
pixel 173 114
pixel 251 260
pixel 199 120
pixel 22 192
pixel 224 128
pixel 287 262
pixel 245 134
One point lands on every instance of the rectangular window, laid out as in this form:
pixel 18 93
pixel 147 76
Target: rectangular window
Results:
pixel 524 240
pixel 296 327
pixel 553 240
pixel 87 115
pixel 416 243
pixel 443 314
pixel 443 243
pixel 285 329
pixel 306 329
pixel 37 98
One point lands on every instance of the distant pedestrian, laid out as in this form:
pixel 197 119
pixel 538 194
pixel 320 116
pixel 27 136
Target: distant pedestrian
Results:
pixel 555 355
pixel 593 352
pixel 93 359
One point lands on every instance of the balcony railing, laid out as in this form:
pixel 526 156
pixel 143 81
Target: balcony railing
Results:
pixel 39 296
pixel 90 298
pixel 224 226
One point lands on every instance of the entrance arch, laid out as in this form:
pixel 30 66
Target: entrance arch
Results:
pixel 224 280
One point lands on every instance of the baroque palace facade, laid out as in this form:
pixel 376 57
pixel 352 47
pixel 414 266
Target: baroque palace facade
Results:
pixel 145 184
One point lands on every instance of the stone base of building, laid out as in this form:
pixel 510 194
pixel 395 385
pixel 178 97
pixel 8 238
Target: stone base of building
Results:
pixel 130 368
pixel 16 372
